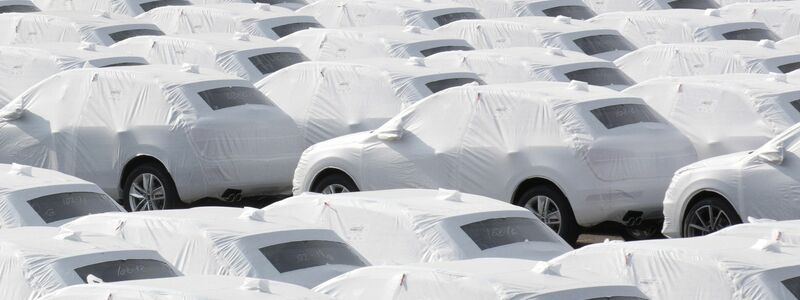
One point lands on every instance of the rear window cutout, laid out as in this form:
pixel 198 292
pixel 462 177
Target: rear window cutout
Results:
pixel 601 76
pixel 147 6
pixel 440 85
pixel 603 43
pixel 751 34
pixel 693 4
pixel 287 29
pixel 614 116
pixel 225 97
pixel 126 269
pixel 62 206
pixel 18 8
pixel 452 17
pixel 126 34
pixel 272 62
pixel 576 12
pixel 435 50
pixel 287 257
pixel 498 232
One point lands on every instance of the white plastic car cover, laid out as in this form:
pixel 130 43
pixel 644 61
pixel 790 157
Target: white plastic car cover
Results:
pixel 575 9
pixel 782 17
pixel 22 66
pixel 791 43
pixel 372 41
pixel 560 32
pixel 509 65
pixel 483 140
pixel 479 279
pixel 35 261
pixel 782 232
pixel 605 6
pixel 698 268
pixel 356 13
pixel 412 226
pixel 729 2
pixel 41 197
pixel 344 97
pixel 211 131
pixel 256 19
pixel 682 26
pixel 232 241
pixel 708 58
pixel 19 6
pixel 722 114
pixel 68 26
pixel 188 288
pixel 130 8
pixel 242 55
pixel 290 4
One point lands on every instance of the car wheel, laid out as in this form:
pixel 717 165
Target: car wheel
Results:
pixel 709 215
pixel 149 187
pixel 334 184
pixel 551 207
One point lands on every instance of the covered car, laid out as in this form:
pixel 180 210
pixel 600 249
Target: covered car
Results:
pixel 605 6
pixel 572 163
pixel 576 9
pixel 411 226
pixel 724 268
pixel 781 17
pixel 357 13
pixel 232 242
pixel 24 65
pixel 723 114
pixel 709 58
pixel 188 288
pixel 782 232
pixel 509 65
pixel 41 197
pixel 129 8
pixel 644 28
pixel 153 136
pixel 344 97
pixel 290 4
pixel 35 261
pixel 255 19
pixel 479 279
pixel 242 55
pixel 729 2
pixel 714 193
pixel 68 26
pixel 561 32
pixel 17 6
pixel 372 42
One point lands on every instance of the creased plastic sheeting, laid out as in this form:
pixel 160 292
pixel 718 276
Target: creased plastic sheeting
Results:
pixel 517 8
pixel 605 6
pixel 707 58
pixel 500 135
pixel 122 7
pixel 106 117
pixel 339 98
pixel 728 2
pixel 411 226
pixel 188 288
pixel 782 232
pixel 730 267
pixel 781 17
pixel 356 13
pixel 486 278
pixel 65 26
pixel 723 114
pixel 216 240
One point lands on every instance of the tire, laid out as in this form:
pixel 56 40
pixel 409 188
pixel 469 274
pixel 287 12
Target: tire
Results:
pixel 567 226
pixel 698 215
pixel 139 176
pixel 335 183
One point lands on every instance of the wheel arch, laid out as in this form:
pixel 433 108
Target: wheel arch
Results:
pixel 701 194
pixel 534 181
pixel 327 171
pixel 133 163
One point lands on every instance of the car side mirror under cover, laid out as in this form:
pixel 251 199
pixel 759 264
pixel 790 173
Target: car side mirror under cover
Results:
pixel 390 131
pixel 772 154
pixel 11 112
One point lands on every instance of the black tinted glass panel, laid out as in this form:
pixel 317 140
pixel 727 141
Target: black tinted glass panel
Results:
pixel 273 2
pixel 57 207
pixel 126 34
pixel 271 62
pixel 125 64
pixel 592 45
pixel 449 18
pixel 752 34
pixel 18 8
pixel 600 76
pixel 308 254
pixel 625 114
pixel 573 11
pixel 288 29
pixel 440 85
pixel 796 105
pixel 434 50
pixel 789 67
pixel 127 269
pixel 694 4
pixel 793 285
pixel 503 231
pixel 220 98
pixel 147 6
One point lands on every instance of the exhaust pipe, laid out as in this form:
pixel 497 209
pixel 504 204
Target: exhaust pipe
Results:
pixel 231 195
pixel 633 218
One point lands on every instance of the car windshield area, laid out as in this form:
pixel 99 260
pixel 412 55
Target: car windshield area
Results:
pixel 126 269
pixel 793 285
pixel 126 34
pixel 600 76
pixel 787 68
pixel 434 50
pixel 287 29
pixel 498 232
pixel 452 17
pixel 225 97
pixel 124 64
pixel 440 85
pixel 57 207
pixel 614 116
pixel 603 43
pixel 751 34
pixel 18 8
pixel 147 6
pixel 694 4
pixel 298 255
pixel 573 11
pixel 271 62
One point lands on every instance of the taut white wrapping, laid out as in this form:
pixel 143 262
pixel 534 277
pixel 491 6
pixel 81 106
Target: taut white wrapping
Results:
pixel 356 13
pixel 605 6
pixel 575 9
pixel 782 17
pixel 130 8
pixel 69 26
